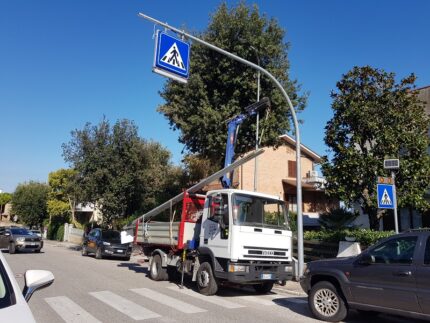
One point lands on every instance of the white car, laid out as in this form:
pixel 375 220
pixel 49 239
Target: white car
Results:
pixel 13 301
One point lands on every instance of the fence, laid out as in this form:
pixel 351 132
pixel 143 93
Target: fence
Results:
pixel 315 249
pixel 72 234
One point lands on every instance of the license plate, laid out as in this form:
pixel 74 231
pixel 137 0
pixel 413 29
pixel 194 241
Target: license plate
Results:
pixel 266 276
pixel 32 243
pixel 121 251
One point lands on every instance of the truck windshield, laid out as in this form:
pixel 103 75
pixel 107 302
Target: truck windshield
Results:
pixel 257 211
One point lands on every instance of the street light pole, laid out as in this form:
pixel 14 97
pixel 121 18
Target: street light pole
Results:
pixel 295 122
pixel 258 120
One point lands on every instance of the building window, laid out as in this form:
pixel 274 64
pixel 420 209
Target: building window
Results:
pixel 292 169
pixel 292 203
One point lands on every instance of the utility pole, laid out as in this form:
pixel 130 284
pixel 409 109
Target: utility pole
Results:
pixel 293 115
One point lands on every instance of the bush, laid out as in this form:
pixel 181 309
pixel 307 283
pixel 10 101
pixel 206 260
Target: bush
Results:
pixel 60 233
pixel 337 219
pixel 292 217
pixel 365 237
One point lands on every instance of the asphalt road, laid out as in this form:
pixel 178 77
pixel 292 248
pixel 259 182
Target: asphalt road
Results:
pixel 109 290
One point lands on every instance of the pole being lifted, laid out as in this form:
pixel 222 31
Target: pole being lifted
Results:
pixel 293 114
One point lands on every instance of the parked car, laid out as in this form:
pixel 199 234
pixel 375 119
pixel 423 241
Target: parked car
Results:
pixel 13 302
pixel 18 239
pixel 392 276
pixel 105 243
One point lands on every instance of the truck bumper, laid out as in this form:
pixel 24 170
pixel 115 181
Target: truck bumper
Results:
pixel 257 273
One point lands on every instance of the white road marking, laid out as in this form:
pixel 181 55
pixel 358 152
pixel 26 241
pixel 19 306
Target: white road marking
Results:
pixel 168 301
pixel 124 306
pixel 258 300
pixel 220 301
pixel 69 311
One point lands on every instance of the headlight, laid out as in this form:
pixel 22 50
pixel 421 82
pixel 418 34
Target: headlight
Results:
pixel 106 243
pixel 238 268
pixel 288 269
pixel 20 239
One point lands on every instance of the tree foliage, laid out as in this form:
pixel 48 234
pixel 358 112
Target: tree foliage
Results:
pixel 118 171
pixel 29 202
pixel 376 118
pixel 337 218
pixel 220 88
pixel 63 194
pixel 4 199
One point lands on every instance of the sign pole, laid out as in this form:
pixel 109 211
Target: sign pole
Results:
pixel 396 222
pixel 300 249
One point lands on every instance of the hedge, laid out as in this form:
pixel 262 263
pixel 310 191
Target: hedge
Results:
pixel 366 237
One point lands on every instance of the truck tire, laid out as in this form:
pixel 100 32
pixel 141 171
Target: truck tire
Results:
pixel 263 288
pixel 326 302
pixel 206 281
pixel 156 271
pixel 12 248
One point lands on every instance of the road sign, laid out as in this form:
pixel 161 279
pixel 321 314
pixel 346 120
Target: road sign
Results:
pixel 171 57
pixel 385 196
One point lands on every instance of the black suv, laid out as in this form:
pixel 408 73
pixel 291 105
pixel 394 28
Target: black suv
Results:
pixel 392 276
pixel 105 243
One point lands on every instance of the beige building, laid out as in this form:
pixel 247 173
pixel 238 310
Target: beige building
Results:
pixel 276 175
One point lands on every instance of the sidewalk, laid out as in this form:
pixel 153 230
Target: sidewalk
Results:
pixel 291 287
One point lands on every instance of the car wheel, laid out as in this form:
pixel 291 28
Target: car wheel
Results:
pixel 127 258
pixel 206 281
pixel 37 251
pixel 326 303
pixel 263 288
pixel 12 248
pixel 156 270
pixel 99 253
pixel 84 251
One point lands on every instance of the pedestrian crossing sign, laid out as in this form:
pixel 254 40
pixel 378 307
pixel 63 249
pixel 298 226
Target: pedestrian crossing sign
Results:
pixel 171 57
pixel 385 196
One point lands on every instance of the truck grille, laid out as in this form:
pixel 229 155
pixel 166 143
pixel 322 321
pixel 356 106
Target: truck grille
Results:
pixel 265 253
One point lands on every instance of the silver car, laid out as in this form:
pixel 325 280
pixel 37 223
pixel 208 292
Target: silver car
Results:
pixel 18 239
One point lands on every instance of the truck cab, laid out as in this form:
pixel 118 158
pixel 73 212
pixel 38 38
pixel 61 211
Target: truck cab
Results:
pixel 246 237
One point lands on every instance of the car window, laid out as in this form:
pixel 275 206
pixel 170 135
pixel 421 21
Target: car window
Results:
pixel 427 253
pixel 395 251
pixel 6 298
pixel 93 233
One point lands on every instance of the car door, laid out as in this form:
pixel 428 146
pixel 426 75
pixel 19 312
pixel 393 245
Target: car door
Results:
pixel 389 279
pixel 423 279
pixel 92 240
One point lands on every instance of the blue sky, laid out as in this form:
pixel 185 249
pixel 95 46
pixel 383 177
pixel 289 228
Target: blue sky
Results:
pixel 65 63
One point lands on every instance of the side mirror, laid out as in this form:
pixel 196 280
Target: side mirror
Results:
pixel 36 279
pixel 366 259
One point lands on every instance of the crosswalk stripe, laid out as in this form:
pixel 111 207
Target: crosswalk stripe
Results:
pixel 210 299
pixel 124 306
pixel 168 301
pixel 69 311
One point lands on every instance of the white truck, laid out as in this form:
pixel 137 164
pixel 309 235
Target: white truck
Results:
pixel 225 236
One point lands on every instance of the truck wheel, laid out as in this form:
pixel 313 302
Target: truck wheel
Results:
pixel 206 281
pixel 156 271
pixel 12 248
pixel 99 253
pixel 326 303
pixel 263 288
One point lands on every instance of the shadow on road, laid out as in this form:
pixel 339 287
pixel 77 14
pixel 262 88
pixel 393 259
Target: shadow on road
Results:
pixel 135 267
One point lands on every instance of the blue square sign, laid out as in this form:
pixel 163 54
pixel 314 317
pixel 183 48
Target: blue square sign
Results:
pixel 172 56
pixel 385 196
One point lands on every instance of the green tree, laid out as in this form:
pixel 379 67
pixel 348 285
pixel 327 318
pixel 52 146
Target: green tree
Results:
pixel 29 202
pixel 117 170
pixel 376 118
pixel 4 199
pixel 63 193
pixel 220 88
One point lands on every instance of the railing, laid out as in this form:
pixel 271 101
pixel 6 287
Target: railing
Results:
pixel 315 249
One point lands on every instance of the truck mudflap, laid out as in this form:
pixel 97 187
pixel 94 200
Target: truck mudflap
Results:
pixel 247 273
